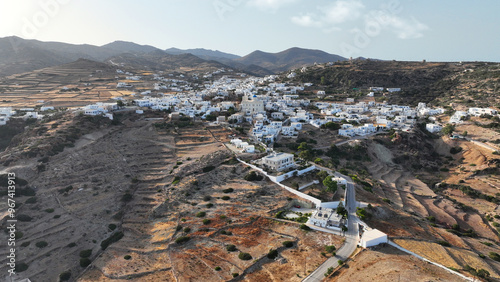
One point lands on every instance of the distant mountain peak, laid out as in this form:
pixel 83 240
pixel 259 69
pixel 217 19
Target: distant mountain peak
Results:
pixel 291 58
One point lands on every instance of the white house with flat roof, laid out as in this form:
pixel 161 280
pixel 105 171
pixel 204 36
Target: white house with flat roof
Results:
pixel 325 217
pixel 433 128
pixel 372 237
pixel 279 161
pixel 481 111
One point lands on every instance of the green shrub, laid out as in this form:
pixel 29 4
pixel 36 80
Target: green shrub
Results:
pixel 494 256
pixel 225 198
pixel 207 198
pixel 112 226
pixel 244 256
pixel 115 237
pixel 25 244
pixel 304 227
pixel 288 244
pixel 201 214
pixel 71 245
pixel 231 248
pixel 176 180
pixel 127 197
pixel 24 217
pixel 386 200
pixel 272 254
pixel 235 274
pixel 208 168
pixel 65 276
pixel 49 210
pixel 41 244
pixel 182 239
pixel 444 243
pixel 228 190
pixel 207 221
pixel 218 268
pixel 330 249
pixel 253 176
pixel 209 205
pixel 187 230
pixel 84 262
pixel 127 257
pixel 86 253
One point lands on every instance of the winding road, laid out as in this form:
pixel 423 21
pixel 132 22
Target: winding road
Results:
pixel 351 237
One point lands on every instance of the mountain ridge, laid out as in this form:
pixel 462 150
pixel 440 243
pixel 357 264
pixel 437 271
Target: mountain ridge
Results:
pixel 19 55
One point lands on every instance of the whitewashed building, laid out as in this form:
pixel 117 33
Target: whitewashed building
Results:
pixel 433 128
pixel 279 161
pixel 372 237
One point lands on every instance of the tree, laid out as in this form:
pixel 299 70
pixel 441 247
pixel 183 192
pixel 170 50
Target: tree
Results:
pixel 120 104
pixel 318 161
pixel 331 185
pixel 465 133
pixel 483 273
pixel 322 175
pixel 304 146
pixel 306 155
pixel 342 210
pixel 448 129
pixel 331 126
pixel 323 80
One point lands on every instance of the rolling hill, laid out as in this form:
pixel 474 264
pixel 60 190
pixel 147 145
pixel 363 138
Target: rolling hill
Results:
pixel 129 47
pixel 203 53
pixel 289 59
pixel 159 60
pixel 19 55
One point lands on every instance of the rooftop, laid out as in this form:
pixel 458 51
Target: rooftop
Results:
pixel 278 156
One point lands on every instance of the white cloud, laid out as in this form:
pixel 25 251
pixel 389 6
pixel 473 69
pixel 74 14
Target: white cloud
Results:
pixel 342 11
pixel 331 16
pixel 306 21
pixel 403 28
pixel 269 4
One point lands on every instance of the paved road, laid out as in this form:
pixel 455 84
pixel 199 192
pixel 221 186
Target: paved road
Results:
pixel 351 238
pixel 482 144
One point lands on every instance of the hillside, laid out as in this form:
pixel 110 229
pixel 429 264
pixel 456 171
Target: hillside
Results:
pixel 203 53
pixel 439 83
pixel 129 47
pixel 19 55
pixel 288 59
pixel 159 60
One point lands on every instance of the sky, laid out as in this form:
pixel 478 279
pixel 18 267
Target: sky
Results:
pixel 383 29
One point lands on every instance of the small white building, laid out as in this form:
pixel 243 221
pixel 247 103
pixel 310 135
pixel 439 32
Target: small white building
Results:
pixel 372 237
pixel 296 125
pixel 458 117
pixel 47 108
pixel 249 149
pixel 236 142
pixel 91 112
pixel 325 217
pixel 433 128
pixel 277 115
pixel 391 90
pixel 481 111
pixel 279 161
